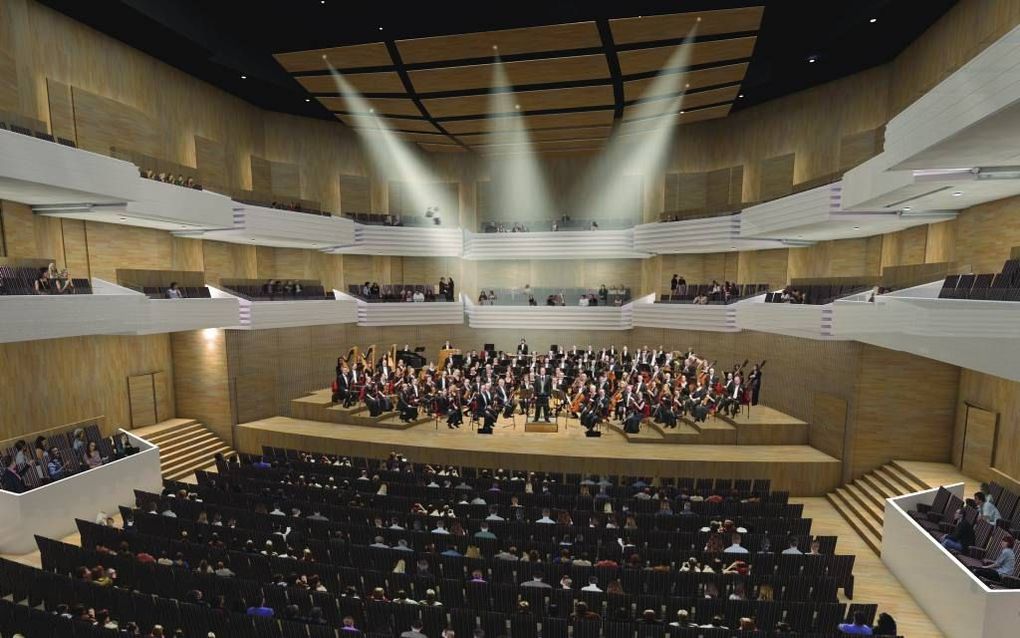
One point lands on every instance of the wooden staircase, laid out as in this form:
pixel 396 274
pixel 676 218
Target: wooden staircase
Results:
pixel 185 445
pixel 862 502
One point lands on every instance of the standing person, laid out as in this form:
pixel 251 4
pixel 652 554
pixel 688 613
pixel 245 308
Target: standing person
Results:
pixel 754 382
pixel 672 285
pixel 450 290
pixel 542 388
pixel 444 289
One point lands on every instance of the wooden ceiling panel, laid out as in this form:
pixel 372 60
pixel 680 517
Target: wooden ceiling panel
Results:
pixel 442 148
pixel 524 72
pixel 573 133
pixel 554 145
pixel 556 37
pixel 528 100
pixel 428 138
pixel 646 60
pixel 690 101
pixel 656 123
pixel 678 25
pixel 731 73
pixel 549 121
pixel 382 82
pixel 382 105
pixel 397 123
pixel 349 57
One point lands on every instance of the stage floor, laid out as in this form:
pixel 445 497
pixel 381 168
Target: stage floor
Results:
pixel 801 469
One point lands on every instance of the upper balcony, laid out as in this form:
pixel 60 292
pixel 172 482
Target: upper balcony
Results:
pixel 281 228
pixel 259 307
pixel 604 244
pixel 378 312
pixel 572 317
pixel 410 241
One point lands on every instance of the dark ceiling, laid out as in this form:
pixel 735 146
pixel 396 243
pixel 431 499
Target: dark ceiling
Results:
pixel 231 44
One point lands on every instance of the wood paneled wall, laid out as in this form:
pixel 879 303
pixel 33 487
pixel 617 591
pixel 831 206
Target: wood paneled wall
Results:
pixel 1001 397
pixel 55 381
pixel 202 384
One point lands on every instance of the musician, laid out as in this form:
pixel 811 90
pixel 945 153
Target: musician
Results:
pixel 522 347
pixel 635 409
pixel 542 388
pixel 504 398
pixel 754 381
pixel 448 403
pixel 376 400
pixel 342 386
pixel 484 410
pixel 410 400
pixel 664 410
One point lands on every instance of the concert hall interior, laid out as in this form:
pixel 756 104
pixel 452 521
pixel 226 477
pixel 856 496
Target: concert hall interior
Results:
pixel 560 320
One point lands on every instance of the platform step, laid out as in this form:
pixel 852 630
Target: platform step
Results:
pixel 906 478
pixel 843 504
pixel 185 445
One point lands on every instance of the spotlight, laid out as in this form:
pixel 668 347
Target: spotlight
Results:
pixel 699 19
pixel 741 95
pixel 308 99
pixel 323 56
pixel 495 47
pixel 244 77
pixel 812 59
pixel 957 193
pixel 517 107
pixel 873 20
pixel 380 28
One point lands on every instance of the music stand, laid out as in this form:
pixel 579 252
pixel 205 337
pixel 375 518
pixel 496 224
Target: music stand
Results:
pixel 524 396
pixel 561 396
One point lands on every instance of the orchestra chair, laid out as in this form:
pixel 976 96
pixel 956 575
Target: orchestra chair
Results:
pixel 436 414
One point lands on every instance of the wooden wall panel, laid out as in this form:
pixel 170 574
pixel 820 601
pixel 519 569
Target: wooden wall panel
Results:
pixel 261 175
pixel 986 233
pixel 827 426
pixel 211 162
pixel 64 380
pixel 355 194
pixel 764 266
pixel 19 230
pixel 855 148
pixel 999 396
pixel 102 123
pixel 111 246
pixel 61 110
pixel 76 254
pixel 905 409
pixel 776 175
pixel 162 393
pixel 223 260
pixel 693 191
pixel 285 179
pixel 202 386
pixel 8 82
pixel 979 443
pixel 142 400
pixel 940 243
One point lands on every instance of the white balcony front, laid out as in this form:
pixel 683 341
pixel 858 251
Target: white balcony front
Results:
pixel 40 172
pixel 254 315
pixel 553 317
pixel 410 241
pixel 687 316
pixel 178 315
pixel 279 228
pixel 975 334
pixel 605 244
pixel 703 235
pixel 400 313
pixel 796 320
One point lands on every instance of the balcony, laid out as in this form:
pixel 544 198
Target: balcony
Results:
pixel 409 241
pixel 687 316
pixel 554 317
pixel 602 244
pixel 280 228
pixel 254 315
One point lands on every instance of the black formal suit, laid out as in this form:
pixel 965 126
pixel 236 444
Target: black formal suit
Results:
pixel 484 412
pixel 12 482
pixel 542 387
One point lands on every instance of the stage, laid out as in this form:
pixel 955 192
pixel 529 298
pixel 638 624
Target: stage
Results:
pixel 800 469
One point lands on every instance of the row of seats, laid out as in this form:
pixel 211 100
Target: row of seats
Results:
pixel 34 472
pixel 20 280
pixel 815 294
pixel 384 219
pixel 396 292
pixel 694 291
pixel 1001 286
pixel 42 135
pixel 542 295
pixel 259 292
pixel 188 292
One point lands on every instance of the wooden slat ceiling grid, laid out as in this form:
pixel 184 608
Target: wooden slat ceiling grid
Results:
pixel 464 46
pixel 380 82
pixel 434 90
pixel 553 120
pixel 349 57
pixel 718 22
pixel 520 73
pixel 713 76
pixel 579 132
pixel 382 105
pixel 528 100
pixel 554 145
pixel 649 60
pixel 689 101
pixel 441 148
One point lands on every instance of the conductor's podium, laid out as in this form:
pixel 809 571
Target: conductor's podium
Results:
pixel 541 426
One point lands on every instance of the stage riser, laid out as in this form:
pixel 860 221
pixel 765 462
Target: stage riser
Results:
pixel 799 477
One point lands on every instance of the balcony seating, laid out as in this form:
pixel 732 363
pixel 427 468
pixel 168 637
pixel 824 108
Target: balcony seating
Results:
pixel 188 292
pixel 389 293
pixel 42 135
pixel 34 473
pixel 693 291
pixel 937 519
pixel 20 280
pixel 383 219
pixel 255 290
pixel 1001 286
pixel 563 224
pixel 570 296
pixel 818 294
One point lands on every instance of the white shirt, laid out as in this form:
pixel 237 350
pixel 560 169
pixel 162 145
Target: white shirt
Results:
pixel 792 550
pixel 737 549
pixel 546 520
pixel 592 587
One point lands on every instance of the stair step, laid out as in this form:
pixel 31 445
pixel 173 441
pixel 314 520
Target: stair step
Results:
pixel 865 501
pixel 921 485
pixel 878 486
pixel 169 449
pixel 891 484
pixel 865 517
pixel 842 505
pixel 877 500
pixel 207 457
pixel 198 450
pixel 903 474
pixel 176 434
pixel 189 469
pixel 904 484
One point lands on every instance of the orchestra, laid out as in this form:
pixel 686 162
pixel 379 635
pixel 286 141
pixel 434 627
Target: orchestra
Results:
pixel 591 385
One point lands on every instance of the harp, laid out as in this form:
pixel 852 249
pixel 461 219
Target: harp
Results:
pixel 351 357
pixel 369 358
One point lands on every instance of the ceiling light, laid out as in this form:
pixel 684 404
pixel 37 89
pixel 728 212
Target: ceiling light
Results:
pixel 123 219
pixel 380 28
pixel 323 56
pixel 857 227
pixel 957 193
pixel 517 106
pixel 741 95
pixel 682 112
pixel 812 59
pixel 308 99
pixel 733 247
pixel 873 20
pixel 906 208
pixel 371 110
pixel 495 47
pixel 244 77
pixel 699 19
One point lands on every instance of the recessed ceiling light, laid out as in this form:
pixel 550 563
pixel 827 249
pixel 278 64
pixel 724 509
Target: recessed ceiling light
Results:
pixel 906 208
pixel 495 47
pixel 371 110
pixel 699 19
pixel 308 99
pixel 873 20
pixel 733 247
pixel 323 56
pixel 957 193
pixel 380 28
pixel 741 95
pixel 244 77
pixel 682 111
pixel 123 218
pixel 857 227
pixel 183 226
pixel 517 106
pixel 812 59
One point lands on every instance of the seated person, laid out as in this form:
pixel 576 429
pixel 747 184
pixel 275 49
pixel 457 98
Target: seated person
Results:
pixel 92 456
pixel 173 292
pixel 55 466
pixel 857 627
